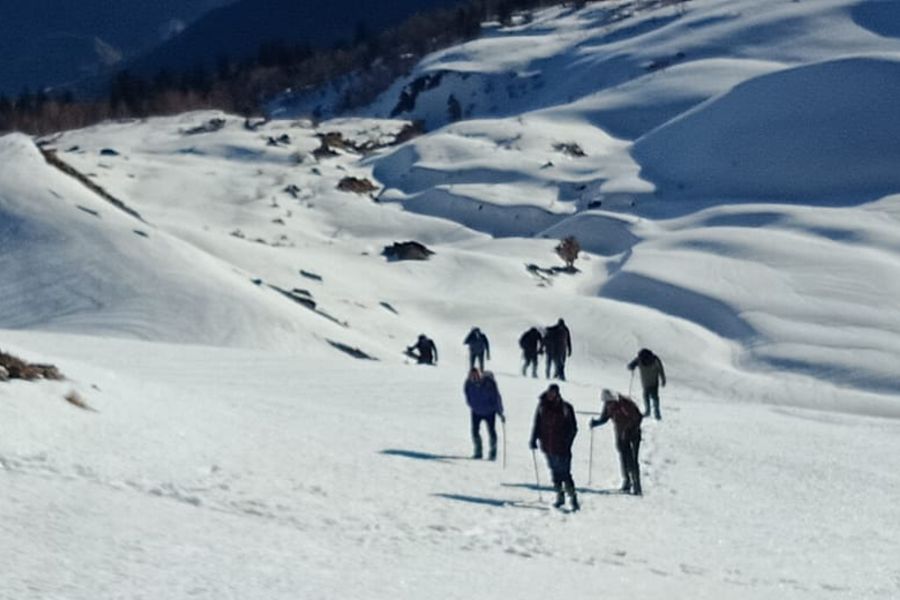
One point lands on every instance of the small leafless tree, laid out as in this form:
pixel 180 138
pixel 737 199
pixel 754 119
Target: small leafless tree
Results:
pixel 568 249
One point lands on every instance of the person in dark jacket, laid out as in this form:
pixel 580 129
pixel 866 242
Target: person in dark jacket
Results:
pixel 652 375
pixel 485 404
pixel 532 345
pixel 558 345
pixel 555 428
pixel 626 418
pixel 424 351
pixel 479 346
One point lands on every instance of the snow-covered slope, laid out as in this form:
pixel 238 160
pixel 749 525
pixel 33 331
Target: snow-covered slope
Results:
pixel 728 171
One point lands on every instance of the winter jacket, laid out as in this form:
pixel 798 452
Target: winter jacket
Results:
pixel 558 341
pixel 531 342
pixel 477 342
pixel 427 351
pixel 651 369
pixel 483 397
pixel 625 415
pixel 554 426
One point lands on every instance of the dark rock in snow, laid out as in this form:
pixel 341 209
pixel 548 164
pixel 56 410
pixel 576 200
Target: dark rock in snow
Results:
pixel 410 250
pixel 310 275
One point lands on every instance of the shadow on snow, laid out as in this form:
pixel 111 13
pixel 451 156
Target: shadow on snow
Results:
pixel 496 502
pixel 421 455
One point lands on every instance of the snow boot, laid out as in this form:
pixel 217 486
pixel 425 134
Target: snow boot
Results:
pixel 636 489
pixel 477 442
pixel 570 489
pixel 492 451
pixel 560 496
pixel 626 485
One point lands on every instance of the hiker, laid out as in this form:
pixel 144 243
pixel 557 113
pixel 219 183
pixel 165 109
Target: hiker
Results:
pixel 425 351
pixel 555 428
pixel 626 418
pixel 652 375
pixel 478 347
pixel 558 346
pixel 532 345
pixel 485 404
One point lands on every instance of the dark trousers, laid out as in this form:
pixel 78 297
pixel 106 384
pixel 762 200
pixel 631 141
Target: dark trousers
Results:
pixel 492 434
pixel 559 363
pixel 532 361
pixel 479 356
pixel 651 393
pixel 629 446
pixel 560 470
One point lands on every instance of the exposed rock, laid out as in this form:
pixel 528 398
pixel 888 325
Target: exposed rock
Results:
pixel 310 275
pixel 410 250
pixel 89 211
pixel 282 140
pixel 54 160
pixel 301 297
pixel 570 149
pixel 16 368
pixel 109 152
pixel 208 127
pixel 356 185
pixel 254 123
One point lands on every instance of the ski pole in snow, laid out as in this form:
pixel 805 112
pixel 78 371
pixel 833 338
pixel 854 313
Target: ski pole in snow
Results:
pixel 536 476
pixel 631 383
pixel 591 458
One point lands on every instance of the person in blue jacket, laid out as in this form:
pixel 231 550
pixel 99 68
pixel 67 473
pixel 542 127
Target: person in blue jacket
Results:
pixel 485 404
pixel 479 347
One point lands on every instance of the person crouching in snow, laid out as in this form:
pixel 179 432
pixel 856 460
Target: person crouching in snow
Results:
pixel 652 375
pixel 626 418
pixel 485 404
pixel 555 428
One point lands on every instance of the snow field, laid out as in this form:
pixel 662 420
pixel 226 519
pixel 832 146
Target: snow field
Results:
pixel 311 479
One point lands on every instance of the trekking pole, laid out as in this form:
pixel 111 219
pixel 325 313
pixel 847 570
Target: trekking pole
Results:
pixel 631 383
pixel 536 476
pixel 503 427
pixel 591 458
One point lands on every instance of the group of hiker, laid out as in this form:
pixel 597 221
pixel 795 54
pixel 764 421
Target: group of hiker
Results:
pixel 555 427
pixel 555 342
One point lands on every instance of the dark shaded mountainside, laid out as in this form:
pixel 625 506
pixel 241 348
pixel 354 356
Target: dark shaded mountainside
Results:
pixel 237 31
pixel 55 42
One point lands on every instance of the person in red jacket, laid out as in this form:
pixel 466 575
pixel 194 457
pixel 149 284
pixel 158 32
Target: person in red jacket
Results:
pixel 555 428
pixel 626 418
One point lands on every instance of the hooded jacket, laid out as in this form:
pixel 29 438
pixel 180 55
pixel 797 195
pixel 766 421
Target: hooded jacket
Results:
pixel 650 367
pixel 624 414
pixel 554 426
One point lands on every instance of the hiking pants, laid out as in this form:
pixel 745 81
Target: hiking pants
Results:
pixel 559 364
pixel 531 360
pixel 479 356
pixel 629 446
pixel 560 470
pixel 651 393
pixel 492 433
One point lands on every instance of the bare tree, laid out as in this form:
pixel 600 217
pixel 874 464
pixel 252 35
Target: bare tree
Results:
pixel 568 249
